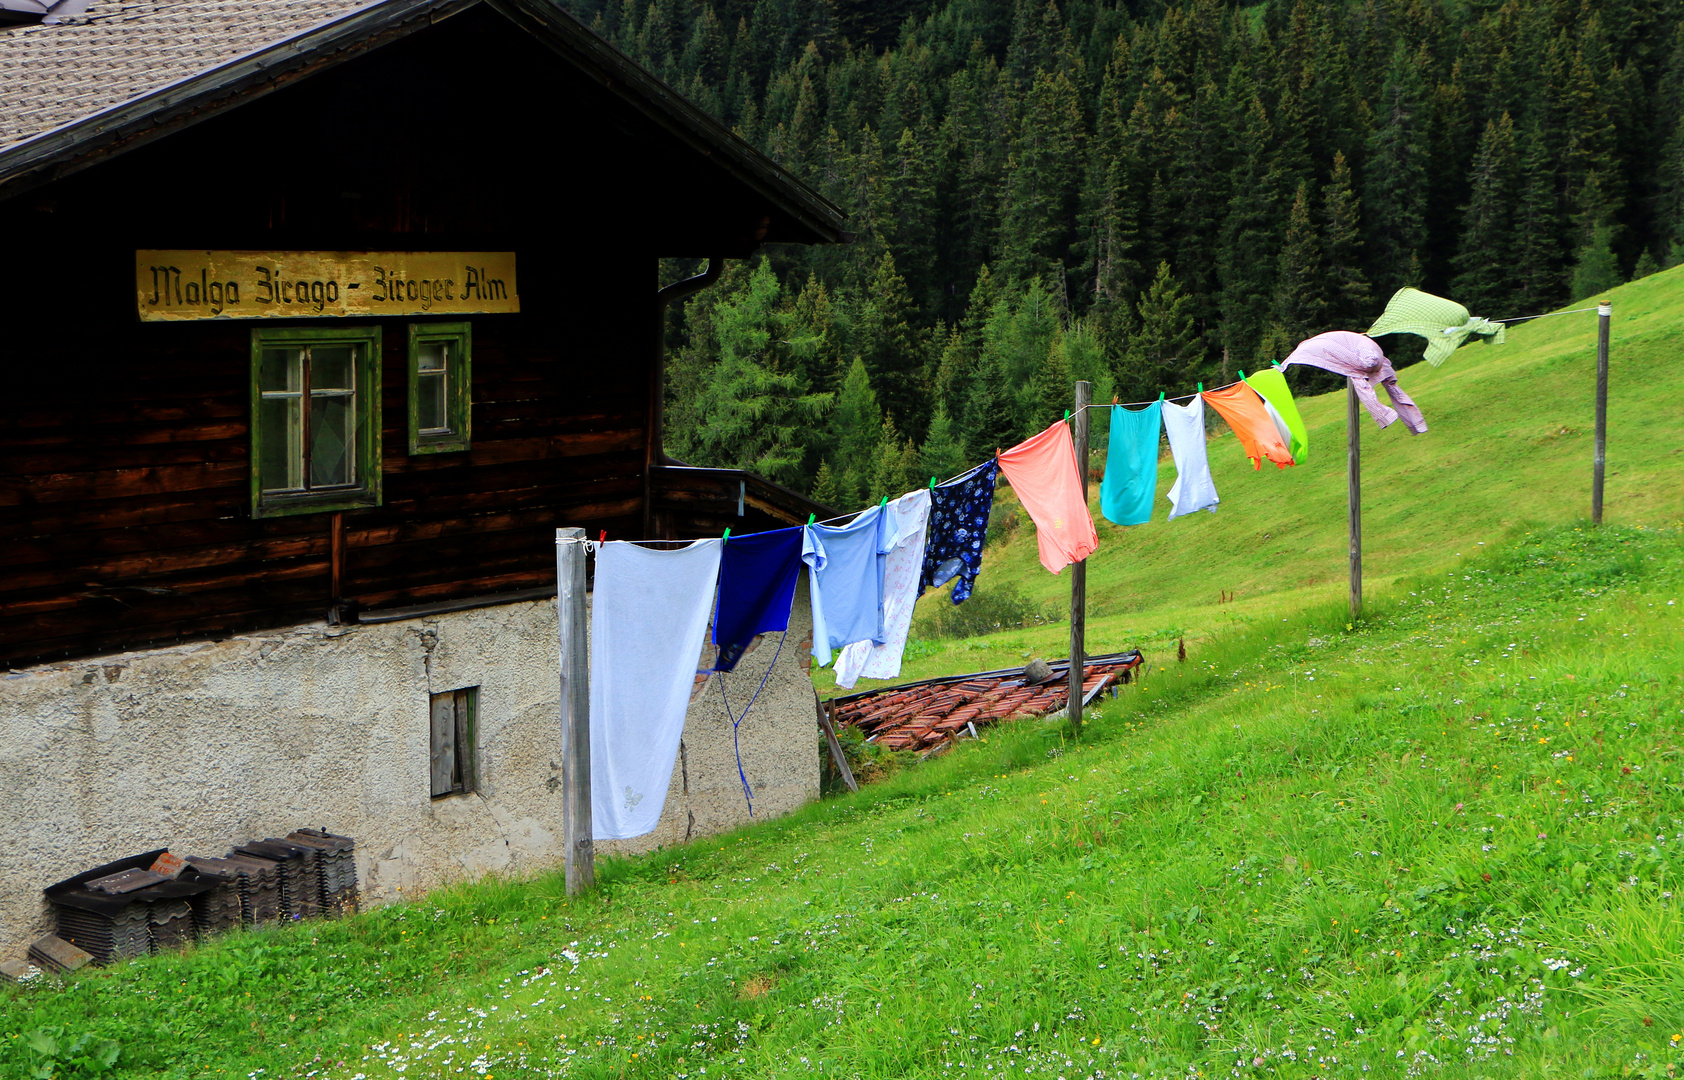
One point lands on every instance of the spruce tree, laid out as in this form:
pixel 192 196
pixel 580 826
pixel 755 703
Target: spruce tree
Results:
pixel 857 426
pixel 1300 289
pixel 1043 184
pixel 1394 191
pixel 1156 361
pixel 943 454
pixel 989 420
pixel 1250 240
pixel 892 349
pixel 1487 270
pixel 1053 393
pixel 1350 302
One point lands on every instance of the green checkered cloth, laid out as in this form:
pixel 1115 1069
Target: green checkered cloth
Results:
pixel 1444 323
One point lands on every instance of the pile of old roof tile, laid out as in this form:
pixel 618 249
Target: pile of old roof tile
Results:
pixel 171 923
pixel 120 933
pixel 217 909
pixel 53 953
pixel 922 714
pixel 261 902
pixel 336 866
pixel 301 888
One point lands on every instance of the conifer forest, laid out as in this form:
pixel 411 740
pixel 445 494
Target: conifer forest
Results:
pixel 1141 195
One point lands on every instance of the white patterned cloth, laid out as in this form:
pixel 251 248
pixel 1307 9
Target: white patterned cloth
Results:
pixel 908 525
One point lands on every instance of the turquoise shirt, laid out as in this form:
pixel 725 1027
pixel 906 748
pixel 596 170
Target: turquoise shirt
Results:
pixel 1131 465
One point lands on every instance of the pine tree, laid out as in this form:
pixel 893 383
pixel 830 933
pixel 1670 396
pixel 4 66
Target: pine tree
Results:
pixel 1487 270
pixel 1043 183
pixel 1156 360
pixel 1394 191
pixel 1300 304
pixel 943 454
pixel 989 420
pixel 1053 393
pixel 892 350
pixel 857 425
pixel 1250 240
pixel 894 467
pixel 827 492
pixel 1350 302
pixel 1595 271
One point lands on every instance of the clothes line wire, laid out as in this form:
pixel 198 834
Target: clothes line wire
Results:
pixel 1545 315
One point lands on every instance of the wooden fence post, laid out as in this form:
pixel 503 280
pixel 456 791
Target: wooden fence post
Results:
pixel 1079 572
pixel 836 755
pixel 1353 473
pixel 1604 315
pixel 575 710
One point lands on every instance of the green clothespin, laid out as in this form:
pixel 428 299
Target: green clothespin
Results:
pixel 932 483
pixel 726 538
pixel 884 503
pixel 1067 414
pixel 1242 376
pixel 1201 388
pixel 1275 363
pixel 812 518
pixel 1160 395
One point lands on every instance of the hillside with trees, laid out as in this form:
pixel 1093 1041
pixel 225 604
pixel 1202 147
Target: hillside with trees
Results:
pixel 1140 195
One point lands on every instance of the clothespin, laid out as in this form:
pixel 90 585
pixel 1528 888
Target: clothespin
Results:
pixel 1067 414
pixel 884 503
pixel 932 483
pixel 1201 388
pixel 1242 376
pixel 1160 395
pixel 812 518
pixel 602 537
pixel 1113 399
pixel 726 539
pixel 1275 363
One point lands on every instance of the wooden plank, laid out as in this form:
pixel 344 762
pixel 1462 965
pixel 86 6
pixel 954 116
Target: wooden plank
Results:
pixel 1604 315
pixel 836 755
pixel 443 746
pixel 467 749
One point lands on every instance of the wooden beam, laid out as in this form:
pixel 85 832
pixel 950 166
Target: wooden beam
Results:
pixel 1079 572
pixel 836 754
pixel 1604 315
pixel 575 710
pixel 1353 477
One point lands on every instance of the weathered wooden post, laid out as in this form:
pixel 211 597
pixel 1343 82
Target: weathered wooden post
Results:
pixel 1079 572
pixel 575 709
pixel 1353 474
pixel 1604 315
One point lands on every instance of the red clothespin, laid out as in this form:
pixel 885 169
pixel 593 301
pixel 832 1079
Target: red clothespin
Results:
pixel 602 537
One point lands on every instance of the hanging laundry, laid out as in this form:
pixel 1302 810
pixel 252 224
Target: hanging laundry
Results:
pixel 845 580
pixel 909 519
pixel 1131 465
pixel 1361 360
pixel 757 575
pixel 1042 470
pixel 1242 407
pixel 1271 385
pixel 1444 323
pixel 958 526
pixel 649 621
pixel 1193 488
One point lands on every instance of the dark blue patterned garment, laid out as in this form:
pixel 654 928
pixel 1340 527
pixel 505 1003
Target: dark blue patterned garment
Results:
pixel 958 526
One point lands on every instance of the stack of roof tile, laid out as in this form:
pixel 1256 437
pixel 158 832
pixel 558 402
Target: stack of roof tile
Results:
pixel 336 865
pixel 53 953
pixel 261 902
pixel 301 886
pixel 922 714
pixel 217 909
pixel 171 923
pixel 120 932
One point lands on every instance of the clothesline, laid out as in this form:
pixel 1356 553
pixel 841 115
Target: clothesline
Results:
pixel 1545 315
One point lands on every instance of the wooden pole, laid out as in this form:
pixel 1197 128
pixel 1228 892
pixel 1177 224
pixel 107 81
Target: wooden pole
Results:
pixel 1353 473
pixel 836 754
pixel 575 710
pixel 1079 572
pixel 1604 315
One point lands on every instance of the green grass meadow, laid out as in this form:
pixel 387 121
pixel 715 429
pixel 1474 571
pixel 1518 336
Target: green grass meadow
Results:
pixel 1442 841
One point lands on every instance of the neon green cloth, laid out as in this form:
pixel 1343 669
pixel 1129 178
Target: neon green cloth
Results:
pixel 1444 323
pixel 1271 386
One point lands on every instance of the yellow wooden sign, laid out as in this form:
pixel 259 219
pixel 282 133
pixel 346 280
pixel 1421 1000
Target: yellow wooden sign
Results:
pixel 177 285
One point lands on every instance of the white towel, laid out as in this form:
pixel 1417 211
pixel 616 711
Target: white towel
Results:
pixel 649 621
pixel 1193 488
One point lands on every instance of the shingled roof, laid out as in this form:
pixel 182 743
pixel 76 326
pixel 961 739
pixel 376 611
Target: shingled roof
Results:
pixel 90 83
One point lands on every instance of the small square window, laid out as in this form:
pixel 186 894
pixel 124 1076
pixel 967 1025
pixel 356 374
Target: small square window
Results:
pixel 440 387
pixel 454 732
pixel 315 431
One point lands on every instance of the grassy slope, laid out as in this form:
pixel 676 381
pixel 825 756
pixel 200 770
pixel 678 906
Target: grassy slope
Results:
pixel 1511 442
pixel 1444 842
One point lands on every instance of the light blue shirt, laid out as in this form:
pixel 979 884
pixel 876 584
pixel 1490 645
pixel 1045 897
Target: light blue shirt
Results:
pixel 845 574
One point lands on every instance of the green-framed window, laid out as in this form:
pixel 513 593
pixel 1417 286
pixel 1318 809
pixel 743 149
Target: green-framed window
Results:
pixel 440 406
pixel 315 419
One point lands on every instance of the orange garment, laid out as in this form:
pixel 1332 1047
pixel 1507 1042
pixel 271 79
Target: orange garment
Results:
pixel 1242 407
pixel 1043 472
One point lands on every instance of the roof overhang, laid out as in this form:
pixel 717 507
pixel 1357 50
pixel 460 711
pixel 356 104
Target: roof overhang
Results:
pixel 101 135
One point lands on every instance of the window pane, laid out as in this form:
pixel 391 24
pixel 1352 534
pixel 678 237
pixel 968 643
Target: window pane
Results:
pixel 430 355
pixel 330 367
pixel 281 369
pixel 331 432
pixel 280 463
pixel 429 403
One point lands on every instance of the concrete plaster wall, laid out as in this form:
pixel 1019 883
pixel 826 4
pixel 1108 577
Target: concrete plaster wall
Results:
pixel 201 747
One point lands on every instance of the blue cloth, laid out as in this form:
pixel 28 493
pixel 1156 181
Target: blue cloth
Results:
pixel 958 527
pixel 757 575
pixel 845 578
pixel 1131 465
